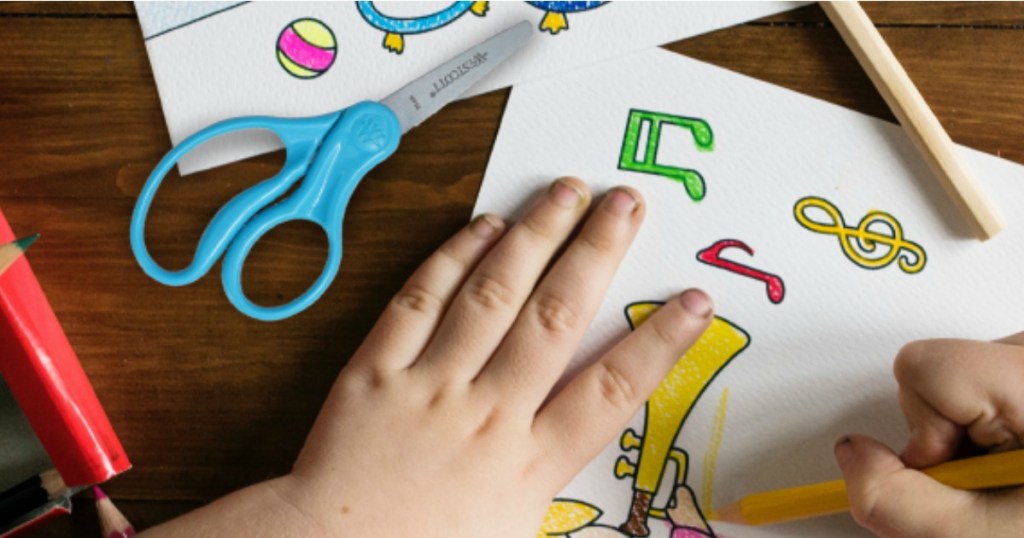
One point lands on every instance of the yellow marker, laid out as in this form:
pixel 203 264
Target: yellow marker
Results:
pixel 983 472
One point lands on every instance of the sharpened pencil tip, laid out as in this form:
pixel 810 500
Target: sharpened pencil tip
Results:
pixel 25 242
pixel 98 493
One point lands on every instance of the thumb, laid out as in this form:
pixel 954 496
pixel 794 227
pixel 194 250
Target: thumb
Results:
pixel 893 501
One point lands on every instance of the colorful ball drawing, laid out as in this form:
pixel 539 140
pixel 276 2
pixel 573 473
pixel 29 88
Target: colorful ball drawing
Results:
pixel 306 48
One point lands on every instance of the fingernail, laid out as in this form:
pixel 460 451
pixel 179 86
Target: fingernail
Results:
pixel 844 451
pixel 621 201
pixel 486 225
pixel 565 194
pixel 697 302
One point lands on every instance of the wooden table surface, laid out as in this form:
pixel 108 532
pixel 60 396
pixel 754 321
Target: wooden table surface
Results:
pixel 206 400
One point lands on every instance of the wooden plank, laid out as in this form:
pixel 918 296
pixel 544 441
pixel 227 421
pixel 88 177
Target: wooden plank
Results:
pixel 1008 15
pixel 56 9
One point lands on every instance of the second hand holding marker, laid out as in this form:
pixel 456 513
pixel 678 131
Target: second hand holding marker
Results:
pixel 983 472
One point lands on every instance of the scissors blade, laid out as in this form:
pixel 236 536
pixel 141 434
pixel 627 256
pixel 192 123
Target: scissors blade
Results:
pixel 424 96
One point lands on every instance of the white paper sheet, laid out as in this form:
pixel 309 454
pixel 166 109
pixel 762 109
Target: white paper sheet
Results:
pixel 218 61
pixel 818 363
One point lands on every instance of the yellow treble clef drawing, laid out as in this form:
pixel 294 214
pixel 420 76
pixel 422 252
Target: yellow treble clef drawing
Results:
pixel 873 244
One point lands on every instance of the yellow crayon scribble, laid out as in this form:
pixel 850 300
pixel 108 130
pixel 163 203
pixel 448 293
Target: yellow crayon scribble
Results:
pixel 565 516
pixel 711 457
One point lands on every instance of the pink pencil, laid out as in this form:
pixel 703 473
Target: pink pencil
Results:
pixel 112 521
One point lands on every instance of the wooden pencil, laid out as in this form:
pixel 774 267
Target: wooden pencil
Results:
pixel 982 472
pixel 913 113
pixel 112 521
pixel 10 252
pixel 29 495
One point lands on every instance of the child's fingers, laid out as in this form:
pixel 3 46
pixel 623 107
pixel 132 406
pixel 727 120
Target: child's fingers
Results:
pixel 933 437
pixel 1014 339
pixel 974 385
pixel 491 297
pixel 893 501
pixel 406 325
pixel 553 320
pixel 583 418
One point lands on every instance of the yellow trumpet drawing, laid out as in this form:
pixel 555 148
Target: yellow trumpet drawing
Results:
pixel 666 410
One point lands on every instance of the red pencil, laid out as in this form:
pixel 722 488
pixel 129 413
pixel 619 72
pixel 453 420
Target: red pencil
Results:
pixel 112 521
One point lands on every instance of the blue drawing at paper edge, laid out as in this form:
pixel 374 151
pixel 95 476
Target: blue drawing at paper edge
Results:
pixel 554 19
pixel 395 28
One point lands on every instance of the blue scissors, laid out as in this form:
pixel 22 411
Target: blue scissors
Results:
pixel 329 155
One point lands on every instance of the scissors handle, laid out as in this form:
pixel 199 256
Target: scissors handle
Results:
pixel 365 134
pixel 300 137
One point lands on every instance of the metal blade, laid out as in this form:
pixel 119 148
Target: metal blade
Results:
pixel 424 96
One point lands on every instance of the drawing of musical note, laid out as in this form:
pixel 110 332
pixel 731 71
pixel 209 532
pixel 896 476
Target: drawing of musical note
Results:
pixel 665 413
pixel 713 256
pixel 861 243
pixel 702 137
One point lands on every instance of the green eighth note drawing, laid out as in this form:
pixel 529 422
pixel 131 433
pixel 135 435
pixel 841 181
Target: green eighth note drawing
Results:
pixel 702 137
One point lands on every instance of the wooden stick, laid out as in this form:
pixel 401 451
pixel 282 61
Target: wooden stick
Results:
pixel 10 252
pixel 914 115
pixel 982 472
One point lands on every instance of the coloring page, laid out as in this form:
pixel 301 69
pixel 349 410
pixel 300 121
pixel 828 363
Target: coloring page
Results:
pixel 825 243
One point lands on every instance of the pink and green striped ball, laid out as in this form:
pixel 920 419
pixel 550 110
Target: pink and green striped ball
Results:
pixel 306 48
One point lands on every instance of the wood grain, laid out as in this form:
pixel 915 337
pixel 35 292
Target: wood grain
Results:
pixel 206 400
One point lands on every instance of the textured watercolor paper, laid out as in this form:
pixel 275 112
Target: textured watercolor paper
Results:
pixel 802 352
pixel 227 59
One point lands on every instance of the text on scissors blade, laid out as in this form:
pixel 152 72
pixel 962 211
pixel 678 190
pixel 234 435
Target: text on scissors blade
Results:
pixel 460 70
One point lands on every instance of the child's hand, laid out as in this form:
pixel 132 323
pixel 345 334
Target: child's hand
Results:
pixel 948 388
pixel 441 424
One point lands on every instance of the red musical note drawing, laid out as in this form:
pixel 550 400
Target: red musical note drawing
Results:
pixel 712 256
